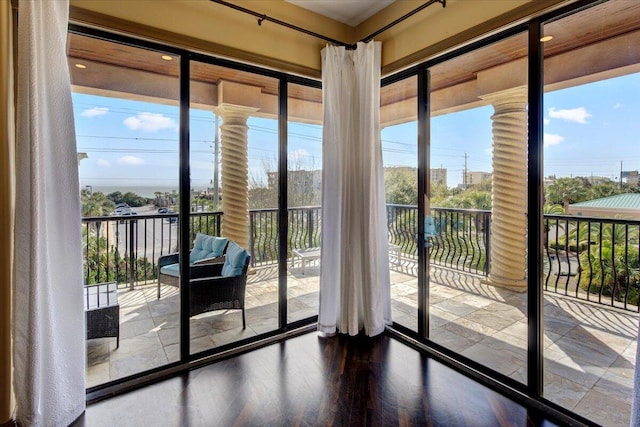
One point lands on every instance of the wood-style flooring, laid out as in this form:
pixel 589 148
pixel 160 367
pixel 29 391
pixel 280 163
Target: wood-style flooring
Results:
pixel 316 381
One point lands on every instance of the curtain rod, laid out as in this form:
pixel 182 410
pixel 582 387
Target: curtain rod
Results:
pixel 263 17
pixel 402 18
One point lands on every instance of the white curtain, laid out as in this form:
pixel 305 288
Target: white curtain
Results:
pixel 354 269
pixel 49 344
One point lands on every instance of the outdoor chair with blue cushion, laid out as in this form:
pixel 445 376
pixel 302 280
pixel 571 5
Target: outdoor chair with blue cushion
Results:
pixel 431 230
pixel 207 251
pixel 224 290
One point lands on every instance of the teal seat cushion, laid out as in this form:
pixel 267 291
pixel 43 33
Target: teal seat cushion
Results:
pixel 207 247
pixel 171 270
pixel 234 260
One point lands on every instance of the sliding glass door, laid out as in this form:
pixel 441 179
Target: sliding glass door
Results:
pixel 398 119
pixel 126 107
pixel 304 200
pixel 591 223
pixel 233 166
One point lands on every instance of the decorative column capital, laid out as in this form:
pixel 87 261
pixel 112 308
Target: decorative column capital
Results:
pixel 513 98
pixel 234 113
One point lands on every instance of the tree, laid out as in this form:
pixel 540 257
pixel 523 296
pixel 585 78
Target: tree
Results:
pixel 95 204
pixel 567 190
pixel 401 185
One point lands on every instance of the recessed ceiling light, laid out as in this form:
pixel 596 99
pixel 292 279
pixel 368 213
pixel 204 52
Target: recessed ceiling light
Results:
pixel 167 57
pixel 81 66
pixel 546 38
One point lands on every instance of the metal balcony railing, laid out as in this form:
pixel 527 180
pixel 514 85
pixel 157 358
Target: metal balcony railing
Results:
pixel 593 259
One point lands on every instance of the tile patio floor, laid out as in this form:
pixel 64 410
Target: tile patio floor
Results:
pixel 589 349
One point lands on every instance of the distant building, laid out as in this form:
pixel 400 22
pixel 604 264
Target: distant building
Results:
pixel 474 178
pixel 621 205
pixel 439 176
pixel 630 177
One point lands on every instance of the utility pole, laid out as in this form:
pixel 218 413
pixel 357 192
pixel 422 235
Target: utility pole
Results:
pixel 620 175
pixel 464 177
pixel 216 165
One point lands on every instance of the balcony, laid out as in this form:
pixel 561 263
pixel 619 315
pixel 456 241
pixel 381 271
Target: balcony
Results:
pixel 590 304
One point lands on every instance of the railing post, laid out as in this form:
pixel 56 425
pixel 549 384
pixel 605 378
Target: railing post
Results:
pixel 252 218
pixel 310 227
pixel 132 272
pixel 487 243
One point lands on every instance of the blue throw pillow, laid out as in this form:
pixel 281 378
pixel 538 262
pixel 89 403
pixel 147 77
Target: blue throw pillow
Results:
pixel 207 247
pixel 234 260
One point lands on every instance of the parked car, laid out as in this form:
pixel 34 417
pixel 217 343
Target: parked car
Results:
pixel 163 210
pixel 122 208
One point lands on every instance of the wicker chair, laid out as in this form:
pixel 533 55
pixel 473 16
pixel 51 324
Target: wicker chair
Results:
pixel 219 292
pixel 201 263
pixel 199 269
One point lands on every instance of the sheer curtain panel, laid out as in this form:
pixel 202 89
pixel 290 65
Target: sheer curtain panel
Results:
pixel 49 344
pixel 354 271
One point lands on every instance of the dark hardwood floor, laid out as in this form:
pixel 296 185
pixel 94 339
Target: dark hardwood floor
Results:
pixel 310 380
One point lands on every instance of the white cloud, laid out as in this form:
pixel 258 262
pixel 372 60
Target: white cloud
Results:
pixel 130 160
pixel 95 112
pixel 546 121
pixel 617 105
pixel 103 162
pixel 150 122
pixel 577 115
pixel 552 139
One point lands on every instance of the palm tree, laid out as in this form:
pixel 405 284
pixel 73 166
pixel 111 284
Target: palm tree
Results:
pixel 551 210
pixel 566 190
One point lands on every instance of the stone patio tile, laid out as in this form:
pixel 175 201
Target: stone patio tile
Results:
pixel 293 316
pixel 623 366
pixel 436 312
pixel 556 326
pixel 498 359
pixel 140 311
pixel 403 308
pixel 489 318
pixel 615 342
pixel 604 409
pixel 562 391
pixel 98 351
pixel 445 292
pixel 98 374
pixel 401 289
pixel 450 339
pixel 132 327
pixel 479 301
pixel 584 374
pixel 457 308
pixel 470 329
pixel 615 386
pixel 136 362
pixel 266 325
pixel 590 351
pixel 164 306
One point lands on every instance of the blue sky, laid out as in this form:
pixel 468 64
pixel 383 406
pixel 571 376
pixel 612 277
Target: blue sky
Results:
pixel 589 130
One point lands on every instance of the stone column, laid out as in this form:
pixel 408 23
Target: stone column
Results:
pixel 235 172
pixel 509 194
